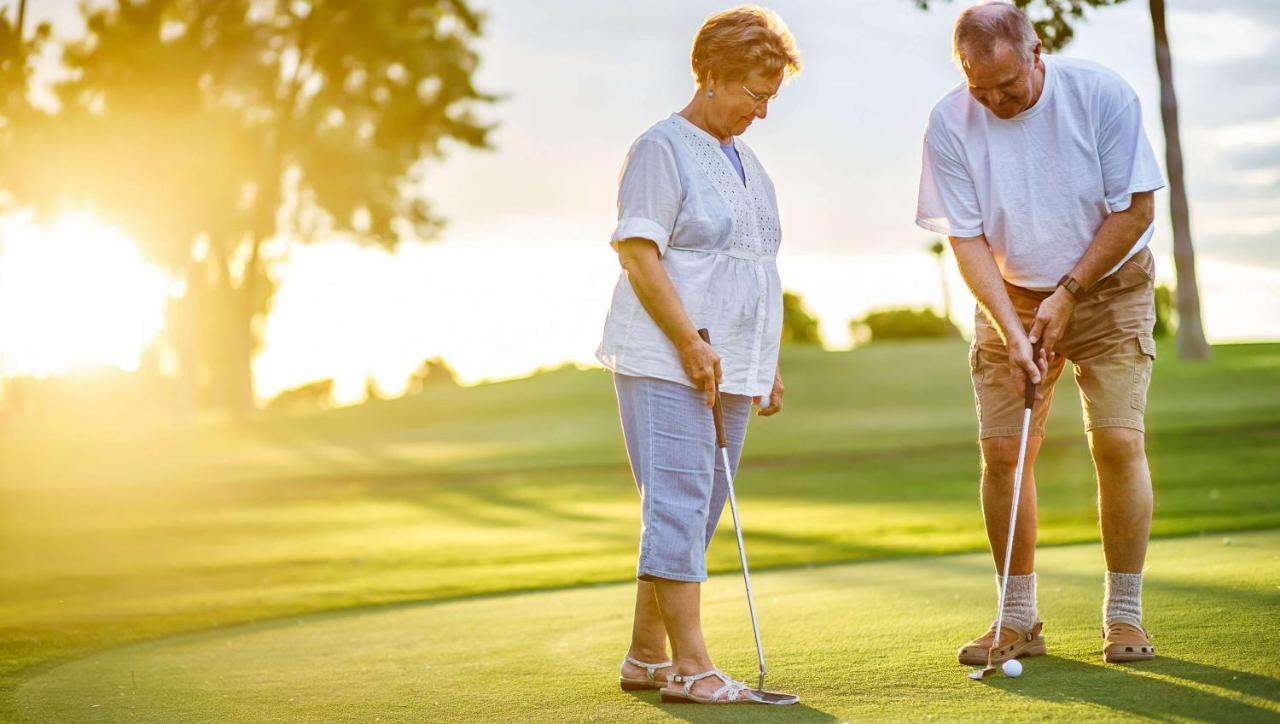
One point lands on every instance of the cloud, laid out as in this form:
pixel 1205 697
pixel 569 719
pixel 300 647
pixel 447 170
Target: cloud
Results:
pixel 1222 35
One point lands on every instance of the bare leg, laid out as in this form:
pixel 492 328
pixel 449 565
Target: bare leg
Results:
pixel 680 604
pixel 648 634
pixel 999 462
pixel 1124 496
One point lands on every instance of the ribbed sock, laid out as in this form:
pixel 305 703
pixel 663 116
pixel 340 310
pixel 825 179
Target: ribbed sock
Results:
pixel 1122 602
pixel 1020 601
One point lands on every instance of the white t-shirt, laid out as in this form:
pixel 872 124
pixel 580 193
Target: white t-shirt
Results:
pixel 1038 185
pixel 718 237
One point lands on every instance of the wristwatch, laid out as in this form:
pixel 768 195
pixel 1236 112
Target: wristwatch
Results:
pixel 1072 286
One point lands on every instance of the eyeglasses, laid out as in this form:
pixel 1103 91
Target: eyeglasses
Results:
pixel 759 98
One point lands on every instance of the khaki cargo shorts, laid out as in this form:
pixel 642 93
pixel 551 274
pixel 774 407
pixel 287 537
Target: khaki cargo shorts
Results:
pixel 1108 340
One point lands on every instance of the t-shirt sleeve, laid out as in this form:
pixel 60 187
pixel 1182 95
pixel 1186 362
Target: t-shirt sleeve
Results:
pixel 1129 164
pixel 649 195
pixel 948 201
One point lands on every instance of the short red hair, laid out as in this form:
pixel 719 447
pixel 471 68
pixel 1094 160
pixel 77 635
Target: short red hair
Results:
pixel 733 43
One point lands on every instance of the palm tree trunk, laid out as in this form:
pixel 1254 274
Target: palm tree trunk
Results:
pixel 1190 336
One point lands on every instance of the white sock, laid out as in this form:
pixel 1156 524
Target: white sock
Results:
pixel 1020 601
pixel 1123 600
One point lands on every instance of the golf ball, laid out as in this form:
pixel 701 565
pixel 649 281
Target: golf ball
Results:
pixel 1012 667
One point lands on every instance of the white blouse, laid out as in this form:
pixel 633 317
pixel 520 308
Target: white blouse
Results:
pixel 718 241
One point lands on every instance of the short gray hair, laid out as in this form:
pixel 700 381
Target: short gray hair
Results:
pixel 982 28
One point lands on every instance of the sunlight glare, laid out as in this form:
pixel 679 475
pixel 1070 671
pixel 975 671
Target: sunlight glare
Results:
pixel 74 295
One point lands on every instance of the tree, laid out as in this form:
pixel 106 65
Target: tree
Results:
pixel 1190 332
pixel 799 326
pixel 938 249
pixel 433 371
pixel 1053 20
pixel 1164 313
pixel 208 128
pixel 902 323
pixel 16 54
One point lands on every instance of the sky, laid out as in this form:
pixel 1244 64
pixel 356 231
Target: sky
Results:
pixel 521 277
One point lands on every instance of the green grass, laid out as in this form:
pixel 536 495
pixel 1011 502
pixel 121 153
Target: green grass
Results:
pixel 116 528
pixel 869 641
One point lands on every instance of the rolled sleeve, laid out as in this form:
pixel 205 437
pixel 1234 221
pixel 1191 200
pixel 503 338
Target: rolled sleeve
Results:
pixel 948 201
pixel 638 228
pixel 1129 164
pixel 649 194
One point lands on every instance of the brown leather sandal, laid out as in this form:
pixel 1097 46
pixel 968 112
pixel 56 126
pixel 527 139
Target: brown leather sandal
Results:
pixel 650 680
pixel 1015 643
pixel 1123 642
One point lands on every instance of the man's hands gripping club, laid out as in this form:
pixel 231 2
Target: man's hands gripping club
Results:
pixel 1051 321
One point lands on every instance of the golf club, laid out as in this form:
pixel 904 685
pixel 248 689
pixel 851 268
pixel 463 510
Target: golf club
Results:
pixel 759 694
pixel 1029 401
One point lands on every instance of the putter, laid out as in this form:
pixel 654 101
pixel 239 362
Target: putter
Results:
pixel 1029 401
pixel 760 695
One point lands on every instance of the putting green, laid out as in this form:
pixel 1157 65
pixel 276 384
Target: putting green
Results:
pixel 861 641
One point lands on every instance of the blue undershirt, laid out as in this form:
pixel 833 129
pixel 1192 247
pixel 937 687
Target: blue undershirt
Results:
pixel 732 153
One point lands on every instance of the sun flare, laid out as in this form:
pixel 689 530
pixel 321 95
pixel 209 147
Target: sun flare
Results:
pixel 75 294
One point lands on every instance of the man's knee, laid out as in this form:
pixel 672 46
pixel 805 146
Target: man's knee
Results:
pixel 1000 456
pixel 1116 447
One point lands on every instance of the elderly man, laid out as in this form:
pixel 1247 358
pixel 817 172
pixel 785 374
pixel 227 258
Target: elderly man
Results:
pixel 1038 170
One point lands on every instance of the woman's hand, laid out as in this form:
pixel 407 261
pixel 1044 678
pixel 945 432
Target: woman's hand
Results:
pixel 772 405
pixel 702 364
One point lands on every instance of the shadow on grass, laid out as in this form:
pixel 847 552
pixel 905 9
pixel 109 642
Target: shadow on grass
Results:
pixel 800 712
pixel 1262 687
pixel 1136 689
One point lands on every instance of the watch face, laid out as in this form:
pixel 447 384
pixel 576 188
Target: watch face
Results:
pixel 1071 285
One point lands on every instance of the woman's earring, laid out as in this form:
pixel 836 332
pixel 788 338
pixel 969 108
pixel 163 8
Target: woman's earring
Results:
pixel 711 93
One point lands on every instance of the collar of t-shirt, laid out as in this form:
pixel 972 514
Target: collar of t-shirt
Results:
pixel 1045 92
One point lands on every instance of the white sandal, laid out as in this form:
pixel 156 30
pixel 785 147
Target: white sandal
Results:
pixel 649 682
pixel 727 694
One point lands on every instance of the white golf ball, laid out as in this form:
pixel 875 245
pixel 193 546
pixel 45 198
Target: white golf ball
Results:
pixel 1012 667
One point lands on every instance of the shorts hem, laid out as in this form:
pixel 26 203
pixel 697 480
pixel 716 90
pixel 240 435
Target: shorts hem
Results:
pixel 1007 431
pixel 1115 422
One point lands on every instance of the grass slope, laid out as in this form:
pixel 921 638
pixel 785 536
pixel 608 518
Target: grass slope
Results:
pixel 115 529
pixel 867 641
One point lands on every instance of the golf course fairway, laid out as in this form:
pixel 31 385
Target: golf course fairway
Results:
pixel 866 641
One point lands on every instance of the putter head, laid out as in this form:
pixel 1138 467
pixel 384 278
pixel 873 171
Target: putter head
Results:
pixel 990 670
pixel 984 673
pixel 760 696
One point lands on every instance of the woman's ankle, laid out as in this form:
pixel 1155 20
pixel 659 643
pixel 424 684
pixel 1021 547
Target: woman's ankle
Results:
pixel 648 655
pixel 693 665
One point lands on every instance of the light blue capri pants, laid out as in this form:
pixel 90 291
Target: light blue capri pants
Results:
pixel 671 442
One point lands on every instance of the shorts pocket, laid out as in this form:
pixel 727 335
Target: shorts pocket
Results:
pixel 1143 362
pixel 1141 266
pixel 975 365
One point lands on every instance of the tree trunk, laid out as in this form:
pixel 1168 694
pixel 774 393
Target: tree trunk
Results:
pixel 242 335
pixel 239 360
pixel 228 329
pixel 1190 334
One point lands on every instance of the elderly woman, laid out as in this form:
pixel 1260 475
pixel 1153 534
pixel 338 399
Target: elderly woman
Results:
pixel 697 238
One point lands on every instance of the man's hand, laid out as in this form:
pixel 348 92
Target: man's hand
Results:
pixel 1050 322
pixel 702 364
pixel 773 404
pixel 1024 366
